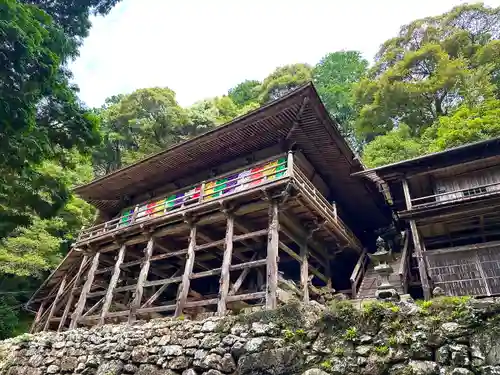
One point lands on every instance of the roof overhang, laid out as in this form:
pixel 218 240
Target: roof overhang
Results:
pixel 453 156
pixel 298 118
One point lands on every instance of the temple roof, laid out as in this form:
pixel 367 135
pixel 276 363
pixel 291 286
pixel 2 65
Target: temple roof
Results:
pixel 300 118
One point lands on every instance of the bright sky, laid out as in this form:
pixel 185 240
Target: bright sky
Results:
pixel 201 48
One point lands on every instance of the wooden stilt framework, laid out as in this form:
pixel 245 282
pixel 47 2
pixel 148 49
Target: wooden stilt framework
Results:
pixel 224 244
pixel 112 284
pixel 69 303
pixel 38 316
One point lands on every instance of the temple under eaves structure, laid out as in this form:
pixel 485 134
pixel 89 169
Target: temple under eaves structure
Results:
pixel 218 222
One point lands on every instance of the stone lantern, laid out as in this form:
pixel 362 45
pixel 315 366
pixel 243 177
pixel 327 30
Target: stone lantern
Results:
pixel 381 258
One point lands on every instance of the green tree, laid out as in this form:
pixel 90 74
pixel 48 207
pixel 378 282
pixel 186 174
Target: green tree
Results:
pixel 36 248
pixel 135 125
pixel 73 15
pixel 40 115
pixel 334 77
pixel 8 316
pixel 430 69
pixel 397 145
pixel 245 93
pixel 283 80
pixel 208 113
pixel 45 132
pixel 30 252
pixel 466 125
pixel 226 109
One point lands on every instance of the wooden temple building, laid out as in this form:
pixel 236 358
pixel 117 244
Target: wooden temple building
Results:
pixel 450 202
pixel 217 222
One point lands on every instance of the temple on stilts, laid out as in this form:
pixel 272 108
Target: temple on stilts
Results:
pixel 272 207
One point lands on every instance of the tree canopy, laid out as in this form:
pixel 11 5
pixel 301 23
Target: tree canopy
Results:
pixel 283 80
pixel 334 77
pixel 245 92
pixel 433 66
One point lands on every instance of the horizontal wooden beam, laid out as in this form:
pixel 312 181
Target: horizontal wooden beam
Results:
pixel 216 271
pixel 295 256
pixel 247 265
pixel 237 238
pixel 455 249
pixel 182 252
pixel 113 314
pixel 206 302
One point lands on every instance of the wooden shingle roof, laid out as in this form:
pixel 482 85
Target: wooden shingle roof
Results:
pixel 314 133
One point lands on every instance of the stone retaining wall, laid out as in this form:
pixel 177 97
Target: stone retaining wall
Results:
pixel 455 337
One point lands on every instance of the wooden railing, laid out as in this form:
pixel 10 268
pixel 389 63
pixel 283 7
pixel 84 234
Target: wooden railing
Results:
pixel 404 266
pixel 358 273
pixel 312 194
pixel 457 195
pixel 176 201
pixel 223 186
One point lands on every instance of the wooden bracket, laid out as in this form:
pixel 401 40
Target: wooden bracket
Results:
pixel 287 193
pixel 310 232
pixel 227 208
pixel 189 218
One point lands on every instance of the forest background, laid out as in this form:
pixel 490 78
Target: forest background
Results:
pixel 433 86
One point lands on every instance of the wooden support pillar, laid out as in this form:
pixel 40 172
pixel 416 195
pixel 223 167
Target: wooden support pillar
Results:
pixel 143 275
pixel 226 263
pixel 69 303
pixel 420 260
pixel 422 270
pixel 304 271
pixel 188 269
pixel 85 290
pixel 37 317
pixel 289 163
pixel 406 191
pixel 54 304
pixel 272 256
pixel 112 284
pixel 328 274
